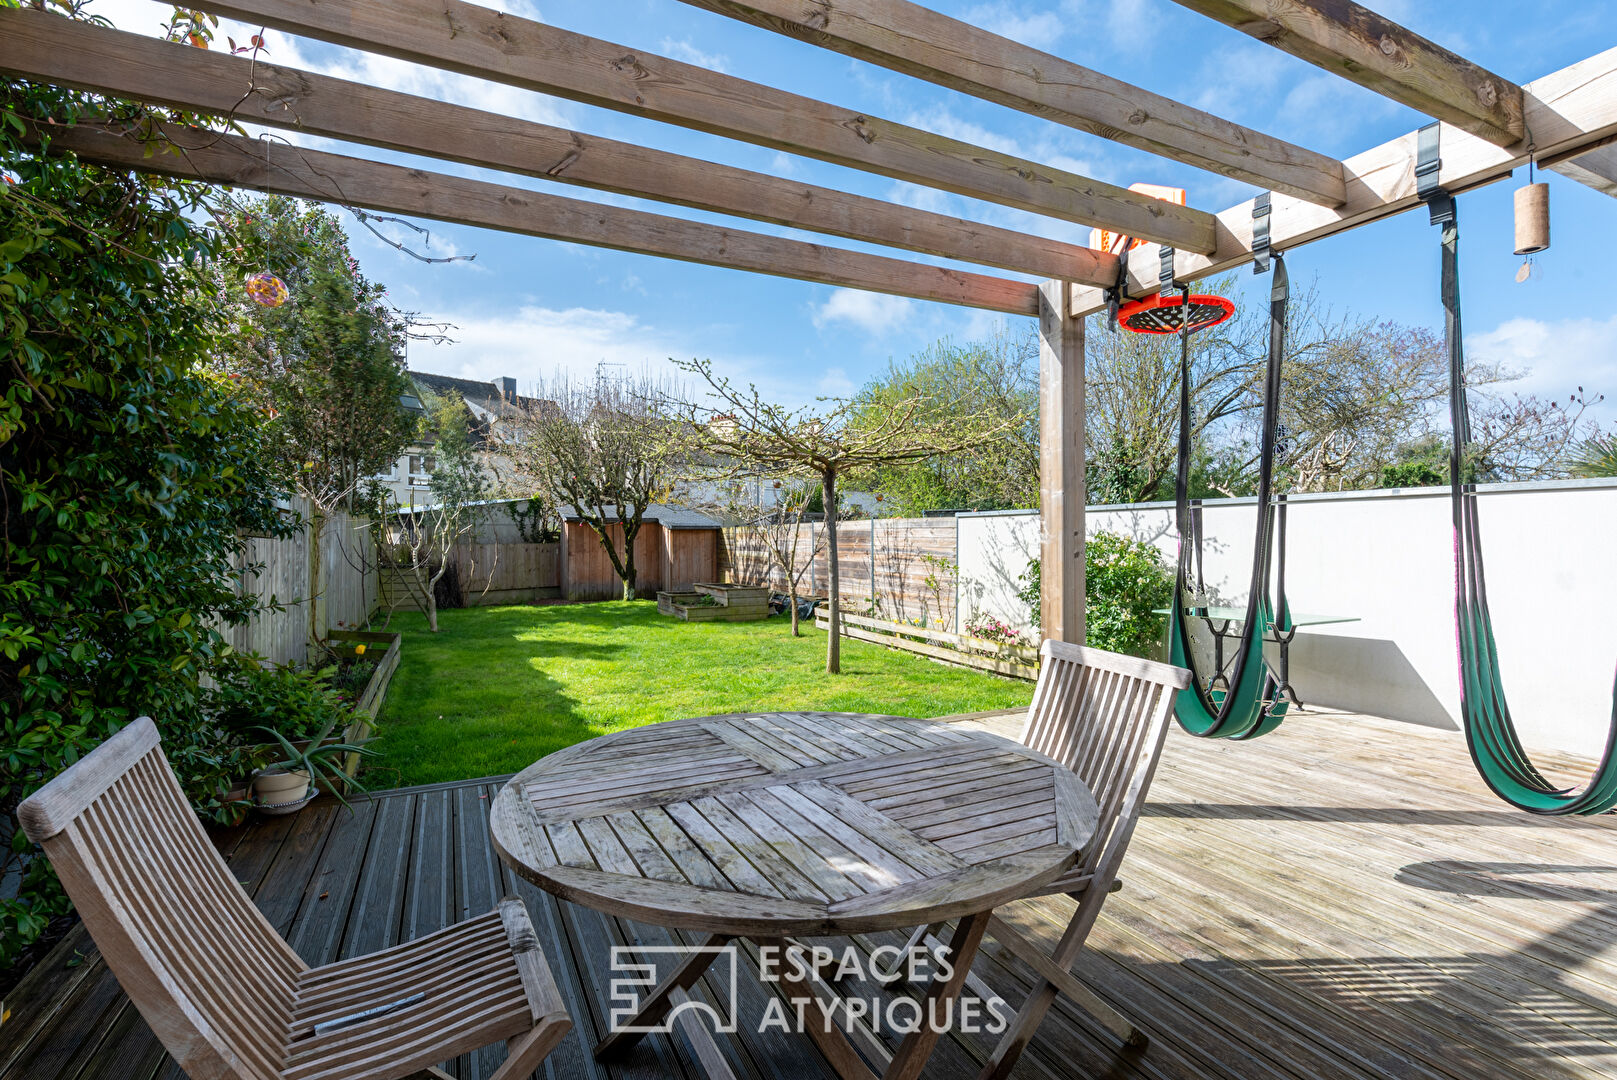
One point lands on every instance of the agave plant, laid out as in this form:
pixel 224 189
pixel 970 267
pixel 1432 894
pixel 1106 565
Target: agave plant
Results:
pixel 320 760
pixel 1595 457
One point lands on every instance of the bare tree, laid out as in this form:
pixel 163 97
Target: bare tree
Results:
pixel 775 516
pixel 1356 394
pixel 606 448
pixel 1132 395
pixel 829 441
pixel 424 538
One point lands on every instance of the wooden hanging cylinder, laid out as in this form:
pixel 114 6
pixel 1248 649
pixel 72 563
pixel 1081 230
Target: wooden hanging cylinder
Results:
pixel 1532 218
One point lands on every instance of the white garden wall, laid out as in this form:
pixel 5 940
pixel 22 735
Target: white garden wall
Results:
pixel 1386 557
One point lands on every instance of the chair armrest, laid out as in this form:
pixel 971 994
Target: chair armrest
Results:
pixel 544 998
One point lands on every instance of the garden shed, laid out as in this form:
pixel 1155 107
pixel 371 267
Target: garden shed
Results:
pixel 675 548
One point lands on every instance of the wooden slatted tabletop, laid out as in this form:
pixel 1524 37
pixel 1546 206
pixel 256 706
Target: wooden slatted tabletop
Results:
pixel 772 825
pixel 793 823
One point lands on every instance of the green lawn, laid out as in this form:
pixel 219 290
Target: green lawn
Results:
pixel 497 688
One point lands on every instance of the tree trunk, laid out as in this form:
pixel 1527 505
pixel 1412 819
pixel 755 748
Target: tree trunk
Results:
pixel 317 585
pixel 791 598
pixel 432 608
pixel 833 641
pixel 629 574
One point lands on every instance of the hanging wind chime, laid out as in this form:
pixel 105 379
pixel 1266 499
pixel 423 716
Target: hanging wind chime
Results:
pixel 1532 220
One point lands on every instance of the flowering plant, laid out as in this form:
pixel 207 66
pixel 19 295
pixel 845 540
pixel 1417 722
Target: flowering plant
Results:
pixel 991 629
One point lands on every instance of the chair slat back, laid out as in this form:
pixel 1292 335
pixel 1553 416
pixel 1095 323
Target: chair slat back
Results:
pixel 207 971
pixel 1105 717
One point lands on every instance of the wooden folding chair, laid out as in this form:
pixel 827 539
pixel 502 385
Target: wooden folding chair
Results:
pixel 226 994
pixel 1104 716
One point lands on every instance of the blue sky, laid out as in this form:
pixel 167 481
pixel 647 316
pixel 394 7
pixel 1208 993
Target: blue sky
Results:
pixel 526 307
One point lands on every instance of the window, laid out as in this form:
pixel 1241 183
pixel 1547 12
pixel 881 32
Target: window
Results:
pixel 421 466
pixel 391 472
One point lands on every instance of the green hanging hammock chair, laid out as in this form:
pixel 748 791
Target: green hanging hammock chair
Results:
pixel 1490 732
pixel 1249 700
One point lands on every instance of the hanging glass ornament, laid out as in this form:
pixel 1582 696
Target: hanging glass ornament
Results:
pixel 267 289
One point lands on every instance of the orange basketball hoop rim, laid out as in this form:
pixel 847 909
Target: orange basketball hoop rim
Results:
pixel 1166 314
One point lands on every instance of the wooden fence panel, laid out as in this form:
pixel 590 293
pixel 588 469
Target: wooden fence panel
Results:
pixel 903 568
pixel 745 558
pixel 915 570
pixel 349 577
pixel 281 570
pixel 517 573
pixel 276 570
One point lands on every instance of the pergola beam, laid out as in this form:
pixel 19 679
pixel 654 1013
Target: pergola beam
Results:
pixel 1596 169
pixel 1569 111
pixel 477 41
pixel 312 174
pixel 1354 42
pixel 929 45
pixel 67 52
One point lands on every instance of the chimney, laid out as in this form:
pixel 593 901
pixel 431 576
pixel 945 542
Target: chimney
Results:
pixel 508 388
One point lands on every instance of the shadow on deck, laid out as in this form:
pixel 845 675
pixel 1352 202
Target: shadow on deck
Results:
pixel 1340 899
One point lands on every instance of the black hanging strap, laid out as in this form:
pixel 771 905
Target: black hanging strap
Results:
pixel 1165 267
pixel 1260 233
pixel 1428 163
pixel 1114 295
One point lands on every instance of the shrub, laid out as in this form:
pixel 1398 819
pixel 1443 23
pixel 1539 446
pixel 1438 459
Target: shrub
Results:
pixel 127 477
pixel 991 629
pixel 1126 580
pixel 249 695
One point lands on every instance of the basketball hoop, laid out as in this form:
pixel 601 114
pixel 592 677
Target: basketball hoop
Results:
pixel 1164 314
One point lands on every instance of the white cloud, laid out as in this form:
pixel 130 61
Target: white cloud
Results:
pixel 940 120
pixel 1131 21
pixel 875 313
pixel 923 198
pixel 1039 29
pixel 533 343
pixel 682 49
pixel 834 382
pixel 1555 356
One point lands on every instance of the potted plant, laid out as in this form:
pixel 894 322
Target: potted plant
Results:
pixel 288 784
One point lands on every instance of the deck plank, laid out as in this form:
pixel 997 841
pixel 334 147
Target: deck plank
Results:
pixel 1342 898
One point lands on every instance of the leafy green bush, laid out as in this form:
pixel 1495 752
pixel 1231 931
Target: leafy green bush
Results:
pixel 127 477
pixel 249 695
pixel 1126 580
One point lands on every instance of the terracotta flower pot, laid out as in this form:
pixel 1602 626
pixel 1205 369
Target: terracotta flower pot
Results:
pixel 278 792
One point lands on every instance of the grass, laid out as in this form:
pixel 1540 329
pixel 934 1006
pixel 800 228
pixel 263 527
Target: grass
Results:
pixel 498 688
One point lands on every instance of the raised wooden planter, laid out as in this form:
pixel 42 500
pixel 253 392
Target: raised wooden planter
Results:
pixel 375 692
pixel 1015 661
pixel 716 602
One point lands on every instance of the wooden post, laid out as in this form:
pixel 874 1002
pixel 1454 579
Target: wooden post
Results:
pixel 1061 464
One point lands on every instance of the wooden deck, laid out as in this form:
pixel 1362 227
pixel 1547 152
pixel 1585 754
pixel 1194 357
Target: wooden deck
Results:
pixel 1339 899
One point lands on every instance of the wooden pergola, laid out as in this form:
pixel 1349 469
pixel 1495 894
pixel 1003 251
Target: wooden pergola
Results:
pixel 1488 127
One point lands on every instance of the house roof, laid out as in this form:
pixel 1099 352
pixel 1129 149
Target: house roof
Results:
pixel 498 397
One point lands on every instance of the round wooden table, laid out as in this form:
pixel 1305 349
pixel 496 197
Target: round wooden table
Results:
pixel 771 825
